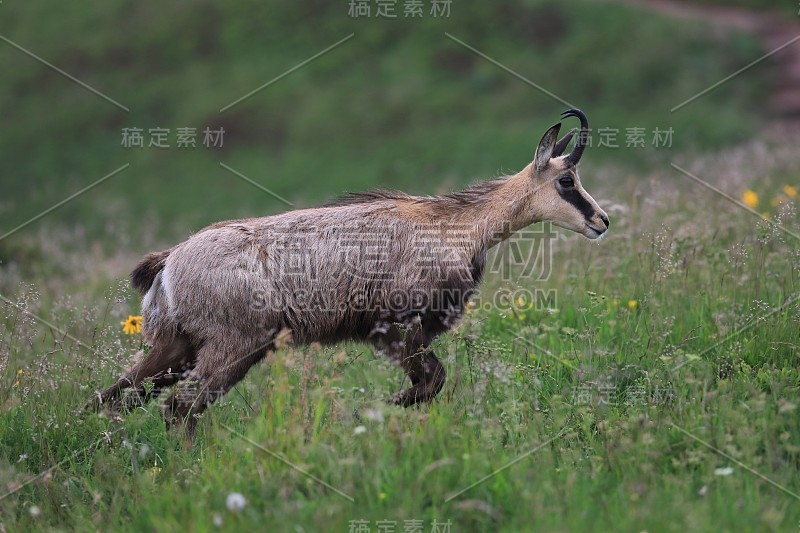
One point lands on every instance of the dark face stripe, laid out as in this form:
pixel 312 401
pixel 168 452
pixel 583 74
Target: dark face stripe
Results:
pixel 575 198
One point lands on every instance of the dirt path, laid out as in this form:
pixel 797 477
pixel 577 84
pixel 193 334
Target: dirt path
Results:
pixel 773 31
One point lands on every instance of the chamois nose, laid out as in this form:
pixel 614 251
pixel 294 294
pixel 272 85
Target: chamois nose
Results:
pixel 604 218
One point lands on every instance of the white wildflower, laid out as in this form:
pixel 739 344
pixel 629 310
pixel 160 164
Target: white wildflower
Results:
pixel 235 502
pixel 376 415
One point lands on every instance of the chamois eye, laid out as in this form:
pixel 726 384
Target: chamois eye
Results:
pixel 566 182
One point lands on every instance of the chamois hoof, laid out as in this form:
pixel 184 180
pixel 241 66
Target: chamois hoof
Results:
pixel 396 398
pixel 406 398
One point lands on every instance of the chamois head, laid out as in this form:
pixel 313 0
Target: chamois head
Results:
pixel 560 197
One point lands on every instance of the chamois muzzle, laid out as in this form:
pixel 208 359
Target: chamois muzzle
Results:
pixel 580 143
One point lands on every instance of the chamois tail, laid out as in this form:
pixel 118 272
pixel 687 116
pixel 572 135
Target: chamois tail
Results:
pixel 148 268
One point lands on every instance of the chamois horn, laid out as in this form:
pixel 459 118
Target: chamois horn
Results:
pixel 583 135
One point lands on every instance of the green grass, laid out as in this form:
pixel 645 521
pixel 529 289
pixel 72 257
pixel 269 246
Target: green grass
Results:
pixel 595 402
pixel 607 389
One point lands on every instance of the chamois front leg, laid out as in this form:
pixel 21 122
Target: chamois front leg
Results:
pixel 410 349
pixel 427 379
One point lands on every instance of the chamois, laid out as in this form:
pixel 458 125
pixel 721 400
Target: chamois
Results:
pixel 384 267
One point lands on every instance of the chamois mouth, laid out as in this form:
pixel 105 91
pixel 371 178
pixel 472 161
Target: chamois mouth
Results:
pixel 594 233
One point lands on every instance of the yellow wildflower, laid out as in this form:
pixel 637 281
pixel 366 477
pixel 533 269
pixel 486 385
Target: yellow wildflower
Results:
pixel 750 199
pixel 132 325
pixel 632 304
pixel 20 371
pixel 790 191
pixel 382 495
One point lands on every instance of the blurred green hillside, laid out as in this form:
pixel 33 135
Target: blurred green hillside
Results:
pixel 787 9
pixel 400 104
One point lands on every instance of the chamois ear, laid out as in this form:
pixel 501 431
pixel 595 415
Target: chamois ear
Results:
pixel 545 149
pixel 563 142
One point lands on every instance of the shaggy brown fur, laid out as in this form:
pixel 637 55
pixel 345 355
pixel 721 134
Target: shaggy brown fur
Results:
pixel 383 267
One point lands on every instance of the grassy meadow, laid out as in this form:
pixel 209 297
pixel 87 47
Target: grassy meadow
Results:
pixel 656 391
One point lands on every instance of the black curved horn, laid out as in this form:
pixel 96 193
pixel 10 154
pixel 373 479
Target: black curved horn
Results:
pixel 561 145
pixel 580 143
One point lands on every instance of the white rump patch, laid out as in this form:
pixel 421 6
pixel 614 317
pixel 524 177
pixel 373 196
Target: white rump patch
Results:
pixel 166 285
pixel 148 301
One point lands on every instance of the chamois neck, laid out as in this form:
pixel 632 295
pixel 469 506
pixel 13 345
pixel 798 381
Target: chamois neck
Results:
pixel 495 209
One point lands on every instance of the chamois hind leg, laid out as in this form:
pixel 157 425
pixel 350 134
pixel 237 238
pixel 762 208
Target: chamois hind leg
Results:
pixel 427 374
pixel 163 366
pixel 218 369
